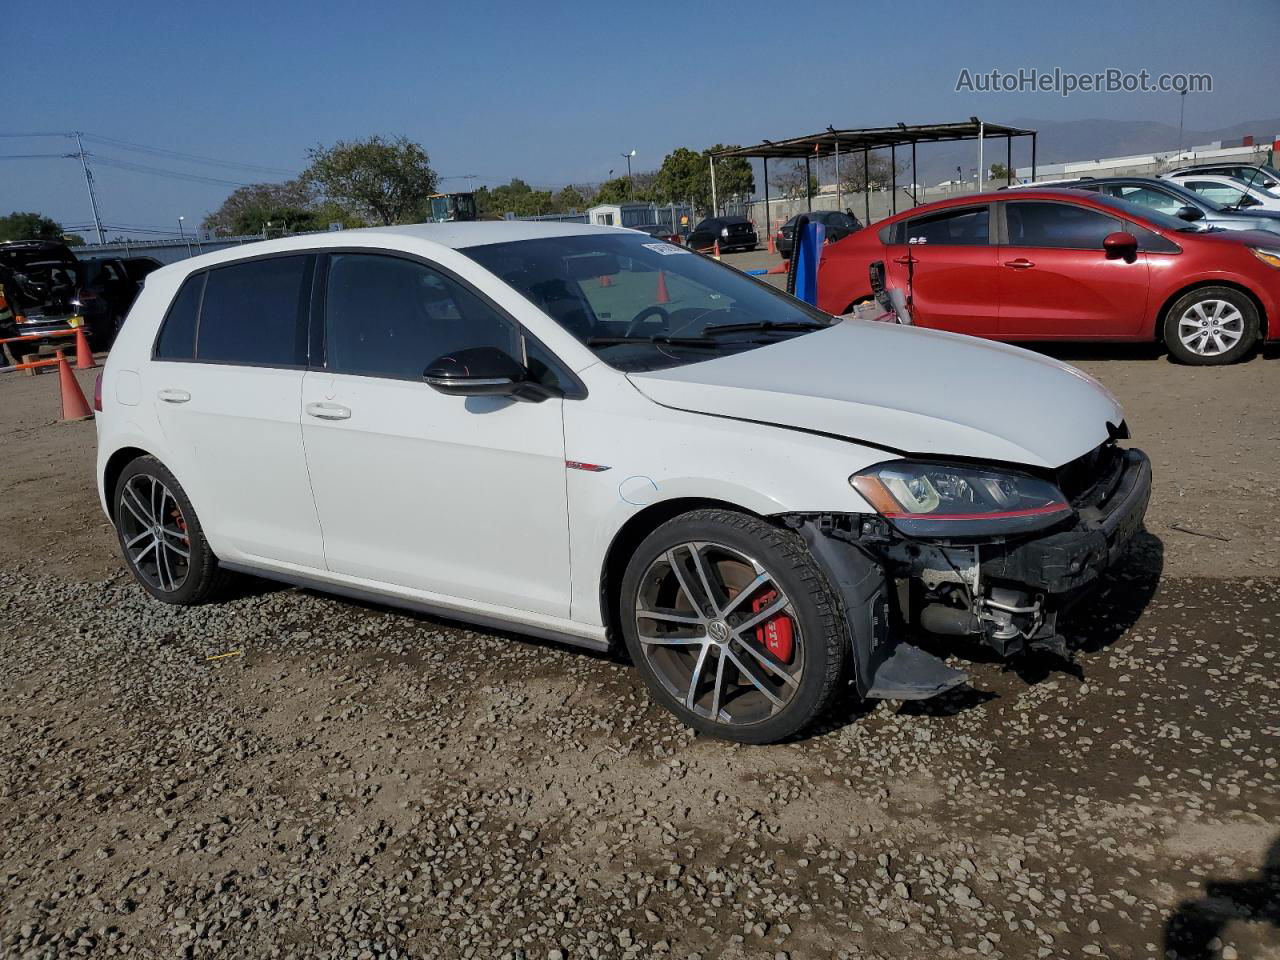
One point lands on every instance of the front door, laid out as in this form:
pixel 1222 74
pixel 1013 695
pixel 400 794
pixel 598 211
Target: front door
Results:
pixel 946 262
pixel 226 382
pixel 1056 281
pixel 461 497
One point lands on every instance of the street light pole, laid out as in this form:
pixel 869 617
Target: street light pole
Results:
pixel 627 157
pixel 181 233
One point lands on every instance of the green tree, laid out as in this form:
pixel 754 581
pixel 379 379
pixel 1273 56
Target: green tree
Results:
pixel 877 173
pixel 999 171
pixel 569 198
pixel 29 226
pixel 515 197
pixel 248 208
pixel 384 181
pixel 686 175
pixel 617 190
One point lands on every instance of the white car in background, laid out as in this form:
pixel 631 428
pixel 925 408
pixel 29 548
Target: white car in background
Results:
pixel 588 434
pixel 1228 191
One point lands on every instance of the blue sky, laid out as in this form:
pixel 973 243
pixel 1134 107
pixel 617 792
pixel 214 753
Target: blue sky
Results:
pixel 556 92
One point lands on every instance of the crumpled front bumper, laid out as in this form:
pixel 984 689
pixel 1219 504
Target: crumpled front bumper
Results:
pixel 1067 560
pixel 863 561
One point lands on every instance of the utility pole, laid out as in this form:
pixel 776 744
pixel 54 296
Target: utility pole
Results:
pixel 714 205
pixel 982 171
pixel 88 182
pixel 1182 109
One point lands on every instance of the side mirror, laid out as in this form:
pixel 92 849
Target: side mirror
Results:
pixel 1120 246
pixel 1188 212
pixel 483 372
pixel 1248 201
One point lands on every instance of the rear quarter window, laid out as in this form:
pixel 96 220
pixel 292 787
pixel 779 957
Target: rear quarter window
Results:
pixel 177 337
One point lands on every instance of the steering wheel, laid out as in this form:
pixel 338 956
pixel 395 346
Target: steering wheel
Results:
pixel 639 318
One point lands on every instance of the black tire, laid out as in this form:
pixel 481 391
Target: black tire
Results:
pixel 1242 322
pixel 201 578
pixel 822 646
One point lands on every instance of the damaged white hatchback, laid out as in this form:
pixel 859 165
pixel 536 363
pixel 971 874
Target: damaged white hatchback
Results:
pixel 586 434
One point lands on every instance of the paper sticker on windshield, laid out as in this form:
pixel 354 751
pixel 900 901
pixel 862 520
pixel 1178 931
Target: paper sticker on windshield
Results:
pixel 666 249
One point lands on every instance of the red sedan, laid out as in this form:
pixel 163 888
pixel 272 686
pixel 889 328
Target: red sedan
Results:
pixel 1067 265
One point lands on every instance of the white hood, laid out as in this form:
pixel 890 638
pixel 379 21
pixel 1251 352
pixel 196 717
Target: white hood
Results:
pixel 906 388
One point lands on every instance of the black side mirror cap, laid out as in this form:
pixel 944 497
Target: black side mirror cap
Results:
pixel 1188 212
pixel 484 372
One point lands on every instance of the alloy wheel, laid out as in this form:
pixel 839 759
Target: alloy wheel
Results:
pixel 719 633
pixel 154 533
pixel 1211 328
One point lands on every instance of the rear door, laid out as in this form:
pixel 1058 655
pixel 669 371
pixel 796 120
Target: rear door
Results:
pixel 226 382
pixel 946 262
pixel 1055 279
pixel 460 497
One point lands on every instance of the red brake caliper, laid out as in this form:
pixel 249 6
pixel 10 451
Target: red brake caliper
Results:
pixel 777 634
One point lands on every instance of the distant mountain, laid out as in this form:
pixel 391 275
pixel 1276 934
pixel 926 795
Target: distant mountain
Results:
pixel 1062 141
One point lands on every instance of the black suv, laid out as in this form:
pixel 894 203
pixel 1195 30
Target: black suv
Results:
pixel 733 233
pixel 838 225
pixel 39 281
pixel 108 286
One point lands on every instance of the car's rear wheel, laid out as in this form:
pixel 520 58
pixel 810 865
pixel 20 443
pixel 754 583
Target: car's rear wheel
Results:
pixel 160 535
pixel 732 626
pixel 1211 325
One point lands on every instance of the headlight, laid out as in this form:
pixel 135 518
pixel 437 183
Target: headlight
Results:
pixel 948 500
pixel 724 231
pixel 1270 257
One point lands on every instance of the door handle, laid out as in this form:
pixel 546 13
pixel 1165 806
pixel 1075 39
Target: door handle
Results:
pixel 1022 263
pixel 328 411
pixel 171 395
pixel 904 260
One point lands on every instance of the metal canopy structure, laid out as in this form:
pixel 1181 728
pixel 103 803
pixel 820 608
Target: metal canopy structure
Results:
pixel 833 143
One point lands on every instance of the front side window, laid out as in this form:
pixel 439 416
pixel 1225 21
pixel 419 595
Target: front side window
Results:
pixel 1146 197
pixel 392 317
pixel 641 304
pixel 1062 225
pixel 254 313
pixel 966 226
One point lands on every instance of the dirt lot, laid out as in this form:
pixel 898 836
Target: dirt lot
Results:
pixel 364 783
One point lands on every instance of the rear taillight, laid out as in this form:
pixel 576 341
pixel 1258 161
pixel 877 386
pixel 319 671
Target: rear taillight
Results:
pixel 97 393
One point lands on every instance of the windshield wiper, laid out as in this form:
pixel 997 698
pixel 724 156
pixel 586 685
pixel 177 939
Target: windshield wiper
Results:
pixel 667 341
pixel 769 325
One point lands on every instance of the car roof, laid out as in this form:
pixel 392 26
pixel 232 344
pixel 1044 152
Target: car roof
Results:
pixel 453 236
pixel 1003 196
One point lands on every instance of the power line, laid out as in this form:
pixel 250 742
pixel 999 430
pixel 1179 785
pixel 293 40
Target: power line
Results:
pixel 189 157
pixel 162 172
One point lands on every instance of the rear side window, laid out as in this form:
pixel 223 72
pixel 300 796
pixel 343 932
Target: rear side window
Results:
pixel 177 339
pixel 254 313
pixel 968 226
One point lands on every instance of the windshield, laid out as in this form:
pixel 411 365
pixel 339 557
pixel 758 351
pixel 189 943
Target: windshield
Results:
pixel 1193 198
pixel 641 304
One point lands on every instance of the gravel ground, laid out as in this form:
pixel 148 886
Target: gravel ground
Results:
pixel 357 782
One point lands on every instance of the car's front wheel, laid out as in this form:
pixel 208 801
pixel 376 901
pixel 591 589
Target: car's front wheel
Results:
pixel 1211 325
pixel 732 626
pixel 160 536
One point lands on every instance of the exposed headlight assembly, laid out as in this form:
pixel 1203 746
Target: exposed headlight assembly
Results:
pixel 926 499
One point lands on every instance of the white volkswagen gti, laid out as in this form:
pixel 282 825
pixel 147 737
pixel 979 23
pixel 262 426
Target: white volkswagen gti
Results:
pixel 586 434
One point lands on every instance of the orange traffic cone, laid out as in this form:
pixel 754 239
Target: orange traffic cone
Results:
pixel 715 250
pixel 74 405
pixel 663 296
pixel 84 356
